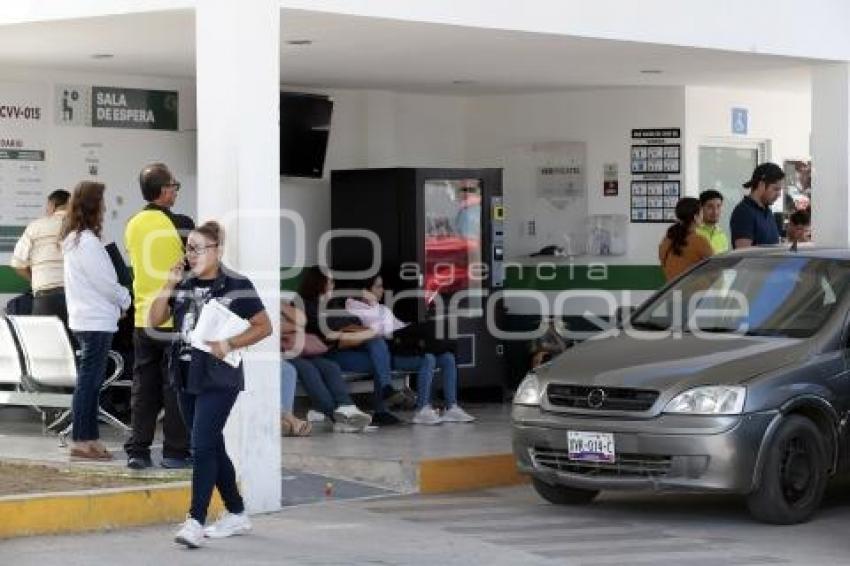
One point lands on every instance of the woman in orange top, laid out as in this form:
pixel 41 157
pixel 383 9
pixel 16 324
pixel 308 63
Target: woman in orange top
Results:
pixel 682 247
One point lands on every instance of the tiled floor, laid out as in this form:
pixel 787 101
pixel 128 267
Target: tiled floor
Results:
pixel 382 457
pixel 490 434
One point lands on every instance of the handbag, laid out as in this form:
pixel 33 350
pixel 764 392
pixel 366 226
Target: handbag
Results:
pixel 312 346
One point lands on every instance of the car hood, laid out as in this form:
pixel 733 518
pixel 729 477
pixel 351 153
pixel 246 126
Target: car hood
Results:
pixel 660 364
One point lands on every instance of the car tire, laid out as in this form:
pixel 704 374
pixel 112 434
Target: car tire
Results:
pixel 794 474
pixel 563 495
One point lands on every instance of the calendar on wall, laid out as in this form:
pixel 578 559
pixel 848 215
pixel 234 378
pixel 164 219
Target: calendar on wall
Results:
pixel 656 163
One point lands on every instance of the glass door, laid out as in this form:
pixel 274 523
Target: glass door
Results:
pixel 725 169
pixel 453 239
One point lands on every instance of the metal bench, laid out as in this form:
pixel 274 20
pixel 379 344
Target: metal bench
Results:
pixel 363 383
pixel 38 370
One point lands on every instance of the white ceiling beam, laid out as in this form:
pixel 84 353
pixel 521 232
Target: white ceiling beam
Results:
pixel 29 11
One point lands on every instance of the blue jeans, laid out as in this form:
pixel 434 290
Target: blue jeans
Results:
pixel 424 367
pixel 288 379
pixel 372 357
pixel 205 415
pixel 322 379
pixel 91 369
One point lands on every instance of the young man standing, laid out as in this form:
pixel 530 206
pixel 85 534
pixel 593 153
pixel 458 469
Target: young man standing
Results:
pixel 154 246
pixel 712 206
pixel 38 258
pixel 752 222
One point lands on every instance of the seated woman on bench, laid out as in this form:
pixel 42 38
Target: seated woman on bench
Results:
pixel 351 345
pixel 320 377
pixel 380 318
pixel 290 425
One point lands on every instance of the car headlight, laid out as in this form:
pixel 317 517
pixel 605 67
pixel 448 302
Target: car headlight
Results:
pixel 709 400
pixel 528 392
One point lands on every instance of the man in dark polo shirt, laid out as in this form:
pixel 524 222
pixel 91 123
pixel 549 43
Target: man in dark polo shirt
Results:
pixel 752 222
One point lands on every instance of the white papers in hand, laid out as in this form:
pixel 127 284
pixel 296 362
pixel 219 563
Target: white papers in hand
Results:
pixel 215 324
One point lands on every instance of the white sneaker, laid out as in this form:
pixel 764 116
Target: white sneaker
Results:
pixel 457 415
pixel 191 533
pixel 427 416
pixel 315 416
pixel 228 525
pixel 351 416
pixel 347 428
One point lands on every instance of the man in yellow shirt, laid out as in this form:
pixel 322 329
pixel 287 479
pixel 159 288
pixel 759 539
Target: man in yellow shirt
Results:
pixel 153 243
pixel 712 206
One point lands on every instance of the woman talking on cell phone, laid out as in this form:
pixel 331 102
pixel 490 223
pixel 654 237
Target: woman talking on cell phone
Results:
pixel 207 385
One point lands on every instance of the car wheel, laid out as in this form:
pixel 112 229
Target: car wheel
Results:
pixel 794 474
pixel 563 495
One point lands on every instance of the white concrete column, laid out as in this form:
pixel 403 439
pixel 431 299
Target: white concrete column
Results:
pixel 238 77
pixel 830 146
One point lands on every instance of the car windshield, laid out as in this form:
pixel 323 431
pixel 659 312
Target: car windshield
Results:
pixel 757 296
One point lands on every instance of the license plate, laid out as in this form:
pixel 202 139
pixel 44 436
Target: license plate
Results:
pixel 591 446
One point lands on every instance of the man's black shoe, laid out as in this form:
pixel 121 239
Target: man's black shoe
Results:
pixel 139 462
pixel 177 463
pixel 392 397
pixel 385 418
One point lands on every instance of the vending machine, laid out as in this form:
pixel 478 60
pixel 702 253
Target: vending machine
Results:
pixel 438 236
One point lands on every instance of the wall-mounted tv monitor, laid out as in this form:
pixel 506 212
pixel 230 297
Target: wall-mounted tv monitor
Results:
pixel 305 122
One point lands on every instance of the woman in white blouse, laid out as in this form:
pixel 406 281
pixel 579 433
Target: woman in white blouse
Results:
pixel 95 303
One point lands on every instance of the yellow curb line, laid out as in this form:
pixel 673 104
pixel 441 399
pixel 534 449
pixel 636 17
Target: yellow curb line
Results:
pixel 446 475
pixel 120 507
pixel 97 509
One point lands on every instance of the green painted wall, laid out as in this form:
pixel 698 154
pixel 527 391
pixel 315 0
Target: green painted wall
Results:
pixel 10 282
pixel 563 277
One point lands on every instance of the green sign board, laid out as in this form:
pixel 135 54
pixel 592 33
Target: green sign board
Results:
pixel 113 107
pixel 22 154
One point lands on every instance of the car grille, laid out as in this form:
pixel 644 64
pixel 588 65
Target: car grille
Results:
pixel 614 398
pixel 625 466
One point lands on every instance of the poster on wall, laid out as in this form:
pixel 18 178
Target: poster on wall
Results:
pixel 21 192
pixel 654 201
pixel 656 163
pixel 90 166
pixel 116 107
pixel 539 220
pixel 23 115
pixel 656 159
pixel 610 180
pixel 560 171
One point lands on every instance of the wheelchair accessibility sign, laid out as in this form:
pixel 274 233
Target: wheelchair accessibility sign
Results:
pixel 740 120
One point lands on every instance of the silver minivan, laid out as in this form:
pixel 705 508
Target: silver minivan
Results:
pixel 734 378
